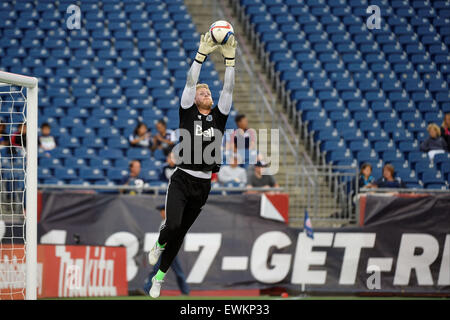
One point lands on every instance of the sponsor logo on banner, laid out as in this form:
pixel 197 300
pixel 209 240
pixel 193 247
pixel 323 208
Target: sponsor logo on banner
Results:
pixel 83 271
pixel 13 272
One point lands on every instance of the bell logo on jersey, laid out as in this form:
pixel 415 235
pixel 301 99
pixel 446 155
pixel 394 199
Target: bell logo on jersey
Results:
pixel 207 133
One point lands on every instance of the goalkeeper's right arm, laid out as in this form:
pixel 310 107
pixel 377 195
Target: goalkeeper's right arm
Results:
pixel 188 96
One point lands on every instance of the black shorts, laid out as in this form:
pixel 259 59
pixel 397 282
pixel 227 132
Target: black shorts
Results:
pixel 186 195
pixel 185 198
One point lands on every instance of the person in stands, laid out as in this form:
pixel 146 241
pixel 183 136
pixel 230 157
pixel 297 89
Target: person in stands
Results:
pixel 169 168
pixel 134 177
pixel 434 144
pixel 4 140
pixel 366 179
pixel 445 129
pixel 19 138
pixel 259 180
pixel 164 139
pixel 141 136
pixel 243 137
pixel 19 141
pixel 232 172
pixel 388 180
pixel 46 140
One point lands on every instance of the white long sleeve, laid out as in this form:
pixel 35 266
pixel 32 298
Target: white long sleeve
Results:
pixel 226 97
pixel 188 96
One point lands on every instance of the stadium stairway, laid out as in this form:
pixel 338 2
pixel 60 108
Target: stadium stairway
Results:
pixel 202 13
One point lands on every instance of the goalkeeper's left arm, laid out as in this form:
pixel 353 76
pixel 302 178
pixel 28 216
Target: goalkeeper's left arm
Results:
pixel 226 97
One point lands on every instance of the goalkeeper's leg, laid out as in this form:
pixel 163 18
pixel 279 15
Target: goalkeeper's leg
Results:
pixel 171 249
pixel 174 245
pixel 186 196
pixel 176 199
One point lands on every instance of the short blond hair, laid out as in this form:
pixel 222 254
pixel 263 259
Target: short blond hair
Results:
pixel 435 127
pixel 201 86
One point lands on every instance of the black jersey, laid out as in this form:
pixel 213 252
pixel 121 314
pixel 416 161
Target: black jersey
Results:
pixel 204 128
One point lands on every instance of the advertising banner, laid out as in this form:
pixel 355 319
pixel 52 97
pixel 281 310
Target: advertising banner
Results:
pixel 65 271
pixel 82 271
pixel 405 247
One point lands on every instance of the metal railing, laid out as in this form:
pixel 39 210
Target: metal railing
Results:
pixel 153 190
pixel 326 192
pixel 401 190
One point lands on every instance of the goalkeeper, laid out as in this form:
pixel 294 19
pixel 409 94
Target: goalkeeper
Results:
pixel 190 183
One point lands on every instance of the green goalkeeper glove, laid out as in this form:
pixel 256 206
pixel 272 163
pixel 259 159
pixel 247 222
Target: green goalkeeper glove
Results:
pixel 206 46
pixel 229 51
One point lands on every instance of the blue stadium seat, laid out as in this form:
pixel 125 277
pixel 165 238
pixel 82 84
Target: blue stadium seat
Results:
pixel 392 69
pixel 434 178
pixel 91 174
pixel 75 163
pixel 85 153
pixel 150 175
pixel 111 154
pixel 138 153
pixel 65 174
pixel 99 81
pixel 158 154
pixel 117 175
pixel 98 163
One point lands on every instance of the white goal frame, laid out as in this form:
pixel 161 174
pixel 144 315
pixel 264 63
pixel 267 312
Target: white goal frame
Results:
pixel 31 84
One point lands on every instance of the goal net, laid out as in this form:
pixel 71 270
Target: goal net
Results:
pixel 18 186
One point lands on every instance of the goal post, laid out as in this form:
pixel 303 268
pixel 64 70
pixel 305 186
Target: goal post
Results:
pixel 27 89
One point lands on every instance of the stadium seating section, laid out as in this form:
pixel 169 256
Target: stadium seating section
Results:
pixel 367 95
pixel 127 63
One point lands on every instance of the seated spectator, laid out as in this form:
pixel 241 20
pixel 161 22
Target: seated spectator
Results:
pixel 19 141
pixel 445 130
pixel 46 141
pixel 169 168
pixel 232 172
pixel 388 180
pixel 243 133
pixel 366 179
pixel 133 178
pixel 141 137
pixel 4 141
pixel 259 180
pixel 164 139
pixel 19 138
pixel 434 144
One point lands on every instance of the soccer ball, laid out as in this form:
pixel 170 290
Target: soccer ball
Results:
pixel 221 31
